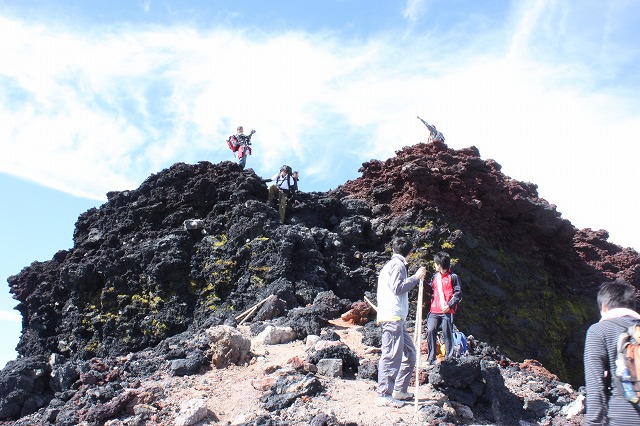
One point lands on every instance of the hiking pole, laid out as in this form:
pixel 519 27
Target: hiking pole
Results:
pixel 418 327
pixel 418 330
pixel 418 314
pixel 415 327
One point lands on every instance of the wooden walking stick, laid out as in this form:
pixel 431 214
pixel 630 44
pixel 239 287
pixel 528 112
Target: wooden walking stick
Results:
pixel 418 339
pixel 253 308
pixel 375 308
pixel 418 318
pixel 248 314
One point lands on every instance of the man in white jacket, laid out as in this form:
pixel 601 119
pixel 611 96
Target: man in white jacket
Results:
pixel 398 356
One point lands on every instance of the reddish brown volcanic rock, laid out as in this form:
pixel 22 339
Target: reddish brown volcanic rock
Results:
pixel 472 192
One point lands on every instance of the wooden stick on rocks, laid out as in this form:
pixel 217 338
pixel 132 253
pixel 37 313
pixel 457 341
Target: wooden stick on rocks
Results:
pixel 246 317
pixel 251 309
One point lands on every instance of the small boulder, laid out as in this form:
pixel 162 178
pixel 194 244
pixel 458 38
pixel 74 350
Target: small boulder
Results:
pixel 191 412
pixel 575 408
pixel 310 341
pixel 191 224
pixel 301 365
pixel 228 345
pixel 368 369
pixel 330 367
pixel 288 389
pixel 343 352
pixel 275 335
pixel 358 314
pixel 324 344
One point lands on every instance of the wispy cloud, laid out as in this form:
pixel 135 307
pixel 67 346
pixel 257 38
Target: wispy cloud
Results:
pixel 122 104
pixel 413 10
pixel 100 110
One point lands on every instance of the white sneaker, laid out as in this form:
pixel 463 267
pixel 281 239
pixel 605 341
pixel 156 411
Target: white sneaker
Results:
pixel 387 401
pixel 402 396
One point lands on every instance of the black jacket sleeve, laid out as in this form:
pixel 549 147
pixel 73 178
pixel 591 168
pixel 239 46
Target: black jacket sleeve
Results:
pixel 457 291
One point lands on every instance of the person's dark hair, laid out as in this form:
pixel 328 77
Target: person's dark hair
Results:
pixel 402 246
pixel 442 259
pixel 286 168
pixel 617 294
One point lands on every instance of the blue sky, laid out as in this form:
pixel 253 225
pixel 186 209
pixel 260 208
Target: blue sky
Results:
pixel 97 95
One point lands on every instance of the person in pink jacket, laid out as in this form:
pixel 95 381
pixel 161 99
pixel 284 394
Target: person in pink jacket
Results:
pixel 445 298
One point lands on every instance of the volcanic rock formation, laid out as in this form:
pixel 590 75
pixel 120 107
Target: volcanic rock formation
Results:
pixel 136 275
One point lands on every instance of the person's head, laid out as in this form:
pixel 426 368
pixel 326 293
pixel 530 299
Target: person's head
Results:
pixel 240 129
pixel 295 175
pixel 284 170
pixel 617 294
pixel 402 246
pixel 442 260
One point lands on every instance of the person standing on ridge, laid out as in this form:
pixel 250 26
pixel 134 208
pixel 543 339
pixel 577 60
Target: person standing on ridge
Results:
pixel 284 188
pixel 434 134
pixel 398 357
pixel 446 296
pixel 606 405
pixel 244 142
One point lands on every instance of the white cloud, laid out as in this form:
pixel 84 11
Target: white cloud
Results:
pixel 89 113
pixel 121 106
pixel 11 316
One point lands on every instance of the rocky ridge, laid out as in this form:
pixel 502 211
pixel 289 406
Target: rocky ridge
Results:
pixel 136 279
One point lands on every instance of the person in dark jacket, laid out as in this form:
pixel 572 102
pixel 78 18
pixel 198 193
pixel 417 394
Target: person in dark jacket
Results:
pixel 446 296
pixel 605 403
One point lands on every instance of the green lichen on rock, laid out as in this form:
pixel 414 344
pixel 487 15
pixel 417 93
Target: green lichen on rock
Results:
pixel 514 304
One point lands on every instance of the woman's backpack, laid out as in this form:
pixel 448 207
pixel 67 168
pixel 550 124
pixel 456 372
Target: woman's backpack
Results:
pixel 232 143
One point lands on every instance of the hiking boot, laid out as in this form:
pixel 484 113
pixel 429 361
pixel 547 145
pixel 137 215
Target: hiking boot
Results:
pixel 387 401
pixel 402 396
